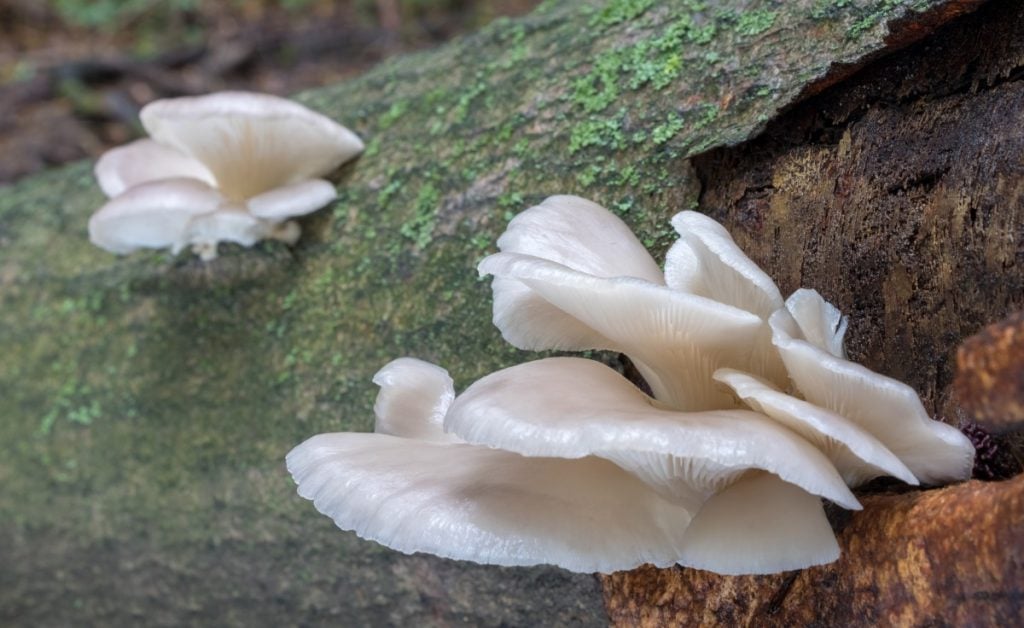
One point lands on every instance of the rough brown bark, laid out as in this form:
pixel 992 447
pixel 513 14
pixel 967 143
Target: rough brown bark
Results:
pixel 899 195
pixel 990 375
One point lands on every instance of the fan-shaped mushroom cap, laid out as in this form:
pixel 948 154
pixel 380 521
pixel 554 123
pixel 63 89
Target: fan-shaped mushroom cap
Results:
pixel 582 235
pixel 572 408
pixel 229 223
pixel 706 261
pixel 677 340
pixel 142 161
pixel 759 525
pixel 152 215
pixel 856 454
pixel 886 408
pixel 576 234
pixel 486 505
pixel 474 503
pixel 291 201
pixel 251 143
pixel 413 399
pixel 820 323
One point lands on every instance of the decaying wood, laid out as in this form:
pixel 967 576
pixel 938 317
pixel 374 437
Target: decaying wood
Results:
pixel 990 375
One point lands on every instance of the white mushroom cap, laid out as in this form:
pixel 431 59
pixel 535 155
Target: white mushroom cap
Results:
pixel 579 235
pixel 706 261
pixel 759 525
pixel 485 505
pixel 261 153
pixel 677 340
pixel 297 199
pixel 572 408
pixel 230 223
pixel 886 408
pixel 820 322
pixel 582 235
pixel 856 454
pixel 174 213
pixel 413 399
pixel 473 503
pixel 152 215
pixel 251 143
pixel 142 161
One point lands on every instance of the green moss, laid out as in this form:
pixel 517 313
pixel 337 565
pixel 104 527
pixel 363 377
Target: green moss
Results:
pixel 657 60
pixel 752 23
pixel 619 11
pixel 393 114
pixel 599 88
pixel 74 403
pixel 598 131
pixel 420 228
pixel 666 131
pixel 388 192
pixel 511 200
pixel 828 8
pixel 878 12
pixel 465 100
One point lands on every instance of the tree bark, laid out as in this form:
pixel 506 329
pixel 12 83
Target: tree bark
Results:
pixel 146 403
pixel 899 195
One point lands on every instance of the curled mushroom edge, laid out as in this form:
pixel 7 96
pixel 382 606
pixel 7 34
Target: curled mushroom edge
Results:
pixel 224 167
pixel 756 416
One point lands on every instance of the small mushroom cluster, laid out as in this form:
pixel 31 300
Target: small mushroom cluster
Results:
pixel 756 415
pixel 225 167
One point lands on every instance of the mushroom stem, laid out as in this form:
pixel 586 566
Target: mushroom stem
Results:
pixel 287 232
pixel 207 251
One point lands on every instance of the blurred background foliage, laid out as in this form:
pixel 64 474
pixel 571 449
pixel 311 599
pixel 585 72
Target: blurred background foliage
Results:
pixel 74 73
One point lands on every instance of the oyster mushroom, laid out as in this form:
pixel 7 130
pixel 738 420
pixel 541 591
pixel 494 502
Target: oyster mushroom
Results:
pixel 414 488
pixel 756 416
pixel 793 347
pixel 888 409
pixel 262 156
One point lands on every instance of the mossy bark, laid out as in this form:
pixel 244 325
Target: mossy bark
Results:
pixel 146 403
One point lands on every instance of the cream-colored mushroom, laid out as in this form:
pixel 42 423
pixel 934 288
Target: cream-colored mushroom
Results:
pixel 681 333
pixel 263 155
pixel 756 416
pixel 706 261
pixel 704 461
pixel 417 489
pixel 856 454
pixel 154 215
pixel 676 340
pixel 886 408
pixel 572 408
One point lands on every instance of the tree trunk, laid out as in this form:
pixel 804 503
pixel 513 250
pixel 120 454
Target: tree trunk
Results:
pixel 146 403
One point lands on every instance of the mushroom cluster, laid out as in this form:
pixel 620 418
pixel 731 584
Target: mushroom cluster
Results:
pixel 756 415
pixel 225 167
